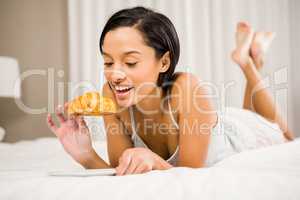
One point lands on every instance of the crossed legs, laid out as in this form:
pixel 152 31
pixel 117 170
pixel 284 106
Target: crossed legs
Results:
pixel 249 52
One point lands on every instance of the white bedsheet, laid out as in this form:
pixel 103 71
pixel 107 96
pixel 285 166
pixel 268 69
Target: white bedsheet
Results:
pixel 268 173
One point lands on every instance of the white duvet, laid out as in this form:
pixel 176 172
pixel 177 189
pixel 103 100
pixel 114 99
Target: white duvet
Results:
pixel 268 173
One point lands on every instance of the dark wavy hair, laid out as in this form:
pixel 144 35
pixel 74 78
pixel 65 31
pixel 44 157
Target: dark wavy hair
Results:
pixel 158 32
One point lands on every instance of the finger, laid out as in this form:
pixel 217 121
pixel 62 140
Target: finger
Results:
pixel 131 168
pixel 143 169
pixel 119 167
pixel 66 107
pixel 140 169
pixel 59 114
pixel 72 121
pixel 82 125
pixel 124 164
pixel 81 122
pixel 118 170
pixel 51 124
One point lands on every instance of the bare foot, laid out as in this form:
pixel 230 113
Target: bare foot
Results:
pixel 244 36
pixel 259 46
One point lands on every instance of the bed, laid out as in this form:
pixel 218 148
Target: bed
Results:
pixel 267 173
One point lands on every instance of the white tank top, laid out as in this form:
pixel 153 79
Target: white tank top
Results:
pixel 138 142
pixel 236 130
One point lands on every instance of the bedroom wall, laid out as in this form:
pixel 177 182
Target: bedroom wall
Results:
pixel 34 32
pixel 295 62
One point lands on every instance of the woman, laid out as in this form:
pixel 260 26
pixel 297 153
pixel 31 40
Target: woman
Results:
pixel 159 110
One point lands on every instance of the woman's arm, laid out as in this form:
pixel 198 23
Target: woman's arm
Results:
pixel 74 136
pixel 120 147
pixel 93 161
pixel 196 119
pixel 140 160
pixel 117 140
pixel 195 110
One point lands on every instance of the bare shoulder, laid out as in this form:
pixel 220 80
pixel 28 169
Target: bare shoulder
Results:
pixel 183 84
pixel 194 109
pixel 188 93
pixel 183 81
pixel 185 76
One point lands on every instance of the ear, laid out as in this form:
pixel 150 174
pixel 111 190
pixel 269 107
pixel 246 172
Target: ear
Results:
pixel 165 62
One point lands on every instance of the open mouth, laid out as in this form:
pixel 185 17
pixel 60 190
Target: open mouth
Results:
pixel 122 91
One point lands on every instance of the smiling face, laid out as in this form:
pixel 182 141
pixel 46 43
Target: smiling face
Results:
pixel 130 65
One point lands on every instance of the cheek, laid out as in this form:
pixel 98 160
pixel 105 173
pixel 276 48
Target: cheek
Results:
pixel 148 72
pixel 145 79
pixel 107 72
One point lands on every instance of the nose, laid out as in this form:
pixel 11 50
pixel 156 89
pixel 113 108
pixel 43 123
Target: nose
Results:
pixel 117 75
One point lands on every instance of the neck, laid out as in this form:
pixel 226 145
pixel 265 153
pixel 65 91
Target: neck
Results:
pixel 152 103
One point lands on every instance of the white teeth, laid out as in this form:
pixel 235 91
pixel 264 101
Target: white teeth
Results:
pixel 121 88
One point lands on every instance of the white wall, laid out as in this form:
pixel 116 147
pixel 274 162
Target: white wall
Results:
pixel 295 63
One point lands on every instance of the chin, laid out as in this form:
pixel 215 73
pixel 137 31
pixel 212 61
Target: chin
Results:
pixel 125 103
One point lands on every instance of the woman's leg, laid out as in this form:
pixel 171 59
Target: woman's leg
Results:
pixel 259 46
pixel 247 98
pixel 258 97
pixel 244 36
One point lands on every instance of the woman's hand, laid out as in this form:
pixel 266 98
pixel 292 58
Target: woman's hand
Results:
pixel 136 160
pixel 73 135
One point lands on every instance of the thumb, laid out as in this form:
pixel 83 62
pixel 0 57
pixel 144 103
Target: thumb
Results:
pixel 124 163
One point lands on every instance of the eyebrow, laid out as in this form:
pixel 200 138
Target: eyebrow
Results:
pixel 126 53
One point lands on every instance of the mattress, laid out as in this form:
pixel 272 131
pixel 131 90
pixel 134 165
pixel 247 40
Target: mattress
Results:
pixel 266 173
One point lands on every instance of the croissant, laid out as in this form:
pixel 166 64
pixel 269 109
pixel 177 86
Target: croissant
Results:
pixel 93 104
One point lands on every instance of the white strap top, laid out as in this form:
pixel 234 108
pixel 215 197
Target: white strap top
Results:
pixel 138 142
pixel 237 130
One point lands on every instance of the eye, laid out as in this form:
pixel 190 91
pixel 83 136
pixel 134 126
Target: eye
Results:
pixel 108 64
pixel 131 64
